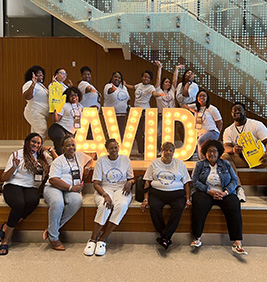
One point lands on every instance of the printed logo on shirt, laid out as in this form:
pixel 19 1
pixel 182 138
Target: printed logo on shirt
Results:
pixel 166 177
pixel 114 175
pixel 138 93
pixel 167 97
pixel 122 96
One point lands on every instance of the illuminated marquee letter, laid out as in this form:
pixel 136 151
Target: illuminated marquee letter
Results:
pixel 130 129
pixel 151 132
pixel 91 117
pixel 169 116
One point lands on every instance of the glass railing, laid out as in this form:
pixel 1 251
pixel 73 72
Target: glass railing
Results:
pixel 179 32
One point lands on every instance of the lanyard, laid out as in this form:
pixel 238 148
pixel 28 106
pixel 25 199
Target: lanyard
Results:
pixel 241 129
pixel 73 171
pixel 75 111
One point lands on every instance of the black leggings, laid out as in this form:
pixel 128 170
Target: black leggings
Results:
pixel 22 202
pixel 56 133
pixel 230 205
pixel 157 200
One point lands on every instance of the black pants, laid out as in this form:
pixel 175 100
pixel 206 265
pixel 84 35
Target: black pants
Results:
pixel 157 200
pixel 22 202
pixel 56 134
pixel 230 205
pixel 140 135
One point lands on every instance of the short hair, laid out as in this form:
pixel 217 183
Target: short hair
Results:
pixel 57 71
pixel 163 80
pixel 110 141
pixel 85 68
pixel 33 69
pixel 67 136
pixel 149 72
pixel 183 77
pixel 209 143
pixel 119 74
pixel 167 145
pixel 72 89
pixel 239 103
pixel 208 99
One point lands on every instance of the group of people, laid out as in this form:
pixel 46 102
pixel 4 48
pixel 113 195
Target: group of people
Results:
pixel 215 180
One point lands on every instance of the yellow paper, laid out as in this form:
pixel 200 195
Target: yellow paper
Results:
pixel 56 99
pixel 252 151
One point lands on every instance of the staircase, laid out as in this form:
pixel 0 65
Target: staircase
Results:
pixel 193 33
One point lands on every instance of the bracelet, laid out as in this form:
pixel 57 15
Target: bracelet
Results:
pixel 15 166
pixel 70 188
pixel 227 193
pixel 145 200
pixel 104 194
pixel 188 201
pixel 49 150
pixel 87 167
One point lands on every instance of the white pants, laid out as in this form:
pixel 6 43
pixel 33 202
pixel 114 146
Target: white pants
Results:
pixel 37 118
pixel 120 203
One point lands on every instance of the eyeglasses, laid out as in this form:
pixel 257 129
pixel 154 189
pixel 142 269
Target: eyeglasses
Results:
pixel 212 151
pixel 63 73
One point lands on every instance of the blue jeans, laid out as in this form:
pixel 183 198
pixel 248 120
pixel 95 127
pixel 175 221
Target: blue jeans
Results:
pixel 210 135
pixel 62 207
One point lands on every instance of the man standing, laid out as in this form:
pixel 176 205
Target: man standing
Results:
pixel 233 152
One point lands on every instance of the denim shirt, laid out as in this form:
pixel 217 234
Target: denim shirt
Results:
pixel 225 171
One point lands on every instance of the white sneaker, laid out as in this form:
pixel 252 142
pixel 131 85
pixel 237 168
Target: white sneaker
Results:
pixel 241 194
pixel 100 249
pixel 196 243
pixel 89 250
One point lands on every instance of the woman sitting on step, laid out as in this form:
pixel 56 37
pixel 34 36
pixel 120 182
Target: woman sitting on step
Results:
pixel 24 173
pixel 63 193
pixel 113 181
pixel 169 181
pixel 215 183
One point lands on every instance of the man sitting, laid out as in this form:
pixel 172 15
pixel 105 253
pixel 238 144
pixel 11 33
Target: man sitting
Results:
pixel 233 152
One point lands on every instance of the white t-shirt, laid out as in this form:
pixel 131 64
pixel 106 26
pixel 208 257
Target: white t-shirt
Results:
pixel 68 112
pixel 117 99
pixel 213 180
pixel 166 101
pixel 209 116
pixel 167 177
pixel 21 175
pixel 143 94
pixel 192 92
pixel 61 168
pixel 40 96
pixel 113 174
pixel 89 98
pixel 256 128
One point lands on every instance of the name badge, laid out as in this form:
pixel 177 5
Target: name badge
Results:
pixel 198 121
pixel 76 179
pixel 77 121
pixel 38 177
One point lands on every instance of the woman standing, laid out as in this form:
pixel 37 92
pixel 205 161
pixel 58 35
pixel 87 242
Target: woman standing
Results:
pixel 165 89
pixel 117 96
pixel 187 90
pixel 24 173
pixel 60 76
pixel 36 111
pixel 215 183
pixel 169 182
pixel 91 97
pixel 69 120
pixel 63 194
pixel 113 181
pixel 143 93
pixel 208 120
